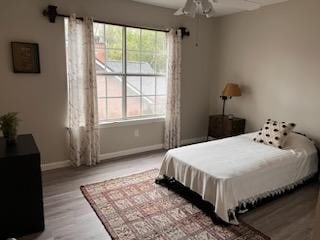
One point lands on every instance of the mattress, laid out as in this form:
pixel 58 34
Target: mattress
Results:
pixel 237 170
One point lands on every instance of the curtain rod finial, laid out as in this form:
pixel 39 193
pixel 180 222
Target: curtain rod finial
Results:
pixel 51 13
pixel 184 32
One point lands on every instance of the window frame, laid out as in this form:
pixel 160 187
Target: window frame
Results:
pixel 125 120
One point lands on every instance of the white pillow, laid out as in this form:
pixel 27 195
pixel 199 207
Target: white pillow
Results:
pixel 300 143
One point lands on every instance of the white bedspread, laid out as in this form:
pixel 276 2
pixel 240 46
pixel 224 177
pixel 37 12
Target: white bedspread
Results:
pixel 232 170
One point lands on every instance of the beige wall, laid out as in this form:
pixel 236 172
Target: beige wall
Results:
pixel 274 54
pixel 41 98
pixel 316 228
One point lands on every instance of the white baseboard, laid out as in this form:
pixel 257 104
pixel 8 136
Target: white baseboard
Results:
pixel 107 156
pixel 55 165
pixel 193 140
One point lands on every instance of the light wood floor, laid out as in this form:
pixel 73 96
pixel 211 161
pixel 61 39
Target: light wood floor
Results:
pixel 69 216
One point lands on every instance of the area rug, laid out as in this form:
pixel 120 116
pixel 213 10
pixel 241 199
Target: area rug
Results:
pixel 135 208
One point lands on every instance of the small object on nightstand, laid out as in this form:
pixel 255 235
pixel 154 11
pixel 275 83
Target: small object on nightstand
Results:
pixel 221 126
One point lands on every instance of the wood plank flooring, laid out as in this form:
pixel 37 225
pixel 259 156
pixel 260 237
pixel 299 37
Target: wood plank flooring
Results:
pixel 69 216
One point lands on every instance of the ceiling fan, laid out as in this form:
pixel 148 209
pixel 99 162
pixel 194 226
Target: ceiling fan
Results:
pixel 207 7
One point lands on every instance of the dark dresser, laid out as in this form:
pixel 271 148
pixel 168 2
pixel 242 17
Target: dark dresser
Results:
pixel 21 188
pixel 220 126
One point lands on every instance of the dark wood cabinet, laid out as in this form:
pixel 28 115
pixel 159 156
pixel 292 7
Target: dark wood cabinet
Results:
pixel 222 126
pixel 21 193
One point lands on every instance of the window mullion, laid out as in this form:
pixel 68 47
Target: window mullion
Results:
pixel 155 78
pixel 105 59
pixel 140 56
pixel 124 78
pixel 141 93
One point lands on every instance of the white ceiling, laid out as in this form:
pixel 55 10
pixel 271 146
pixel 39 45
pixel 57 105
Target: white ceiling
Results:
pixel 221 9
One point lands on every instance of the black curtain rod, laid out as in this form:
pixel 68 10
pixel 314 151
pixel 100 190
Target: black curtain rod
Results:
pixel 52 14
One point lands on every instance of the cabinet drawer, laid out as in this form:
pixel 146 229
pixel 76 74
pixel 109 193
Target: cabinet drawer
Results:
pixel 238 127
pixel 221 126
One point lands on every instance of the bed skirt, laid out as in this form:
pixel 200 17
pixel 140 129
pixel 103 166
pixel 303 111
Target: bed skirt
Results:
pixel 243 205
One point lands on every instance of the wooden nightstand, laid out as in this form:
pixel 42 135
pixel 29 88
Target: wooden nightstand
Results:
pixel 221 126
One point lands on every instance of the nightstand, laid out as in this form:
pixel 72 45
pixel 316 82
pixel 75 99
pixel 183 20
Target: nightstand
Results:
pixel 221 126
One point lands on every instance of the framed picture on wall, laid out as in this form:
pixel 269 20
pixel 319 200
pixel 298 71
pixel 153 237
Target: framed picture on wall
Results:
pixel 25 57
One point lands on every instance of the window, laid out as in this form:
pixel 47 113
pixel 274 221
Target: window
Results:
pixel 131 72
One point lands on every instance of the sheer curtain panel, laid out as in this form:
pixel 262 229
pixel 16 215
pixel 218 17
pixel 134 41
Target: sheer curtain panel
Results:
pixel 172 122
pixel 82 93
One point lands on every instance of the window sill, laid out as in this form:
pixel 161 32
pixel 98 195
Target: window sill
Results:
pixel 131 122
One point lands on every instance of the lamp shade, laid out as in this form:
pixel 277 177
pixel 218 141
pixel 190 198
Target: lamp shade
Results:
pixel 231 90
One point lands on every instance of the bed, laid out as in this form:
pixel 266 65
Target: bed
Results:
pixel 233 172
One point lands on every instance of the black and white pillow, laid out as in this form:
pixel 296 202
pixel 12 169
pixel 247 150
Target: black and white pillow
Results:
pixel 274 133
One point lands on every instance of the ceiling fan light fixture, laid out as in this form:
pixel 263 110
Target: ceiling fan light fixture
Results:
pixel 210 14
pixel 206 6
pixel 190 8
pixel 209 8
pixel 194 7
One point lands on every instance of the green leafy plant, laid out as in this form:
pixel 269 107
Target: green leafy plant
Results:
pixel 8 125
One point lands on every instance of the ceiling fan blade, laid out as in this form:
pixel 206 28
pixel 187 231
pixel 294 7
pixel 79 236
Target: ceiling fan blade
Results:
pixel 179 12
pixel 238 4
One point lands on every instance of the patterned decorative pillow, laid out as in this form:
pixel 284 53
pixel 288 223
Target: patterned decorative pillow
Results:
pixel 274 133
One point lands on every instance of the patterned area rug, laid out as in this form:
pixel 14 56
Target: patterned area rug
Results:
pixel 135 208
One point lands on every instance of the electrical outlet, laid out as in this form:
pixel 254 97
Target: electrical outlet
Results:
pixel 136 133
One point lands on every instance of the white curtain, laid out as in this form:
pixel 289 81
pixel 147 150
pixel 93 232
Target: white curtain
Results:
pixel 82 93
pixel 172 122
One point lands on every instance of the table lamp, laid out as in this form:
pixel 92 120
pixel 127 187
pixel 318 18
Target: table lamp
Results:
pixel 230 90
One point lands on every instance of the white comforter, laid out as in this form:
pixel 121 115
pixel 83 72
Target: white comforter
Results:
pixel 233 170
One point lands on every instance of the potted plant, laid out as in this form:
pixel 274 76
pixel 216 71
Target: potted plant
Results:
pixel 8 125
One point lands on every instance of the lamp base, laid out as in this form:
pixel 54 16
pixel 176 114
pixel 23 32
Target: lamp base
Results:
pixel 224 98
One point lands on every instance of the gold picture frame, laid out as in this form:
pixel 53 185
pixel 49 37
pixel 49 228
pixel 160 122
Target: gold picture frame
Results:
pixel 25 57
